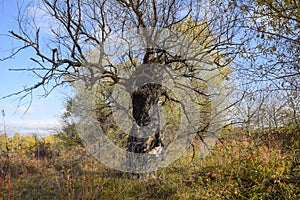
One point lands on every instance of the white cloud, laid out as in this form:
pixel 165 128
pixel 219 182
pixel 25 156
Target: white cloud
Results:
pixel 40 118
pixel 40 127
pixel 42 19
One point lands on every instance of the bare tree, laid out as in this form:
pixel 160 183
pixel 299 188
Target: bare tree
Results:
pixel 192 38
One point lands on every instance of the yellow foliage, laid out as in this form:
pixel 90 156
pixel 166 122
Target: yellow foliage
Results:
pixel 225 71
pixel 28 141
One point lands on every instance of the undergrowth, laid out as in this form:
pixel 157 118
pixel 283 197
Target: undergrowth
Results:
pixel 241 167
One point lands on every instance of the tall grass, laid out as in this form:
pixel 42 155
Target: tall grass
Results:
pixel 248 168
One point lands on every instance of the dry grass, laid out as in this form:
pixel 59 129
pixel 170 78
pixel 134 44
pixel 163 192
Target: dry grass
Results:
pixel 248 168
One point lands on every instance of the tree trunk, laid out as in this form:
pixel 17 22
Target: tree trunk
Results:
pixel 145 132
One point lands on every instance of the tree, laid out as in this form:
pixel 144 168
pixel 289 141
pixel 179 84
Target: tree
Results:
pixel 267 61
pixel 68 134
pixel 147 85
pixel 271 39
pixel 189 38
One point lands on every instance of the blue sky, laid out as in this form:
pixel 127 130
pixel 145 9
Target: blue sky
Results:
pixel 44 113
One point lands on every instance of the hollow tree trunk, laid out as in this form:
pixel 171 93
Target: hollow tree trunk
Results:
pixel 145 132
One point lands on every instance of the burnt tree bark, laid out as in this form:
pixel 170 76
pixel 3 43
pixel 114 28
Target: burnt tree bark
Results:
pixel 145 132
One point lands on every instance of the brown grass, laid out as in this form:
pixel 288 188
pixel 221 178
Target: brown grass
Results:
pixel 241 167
